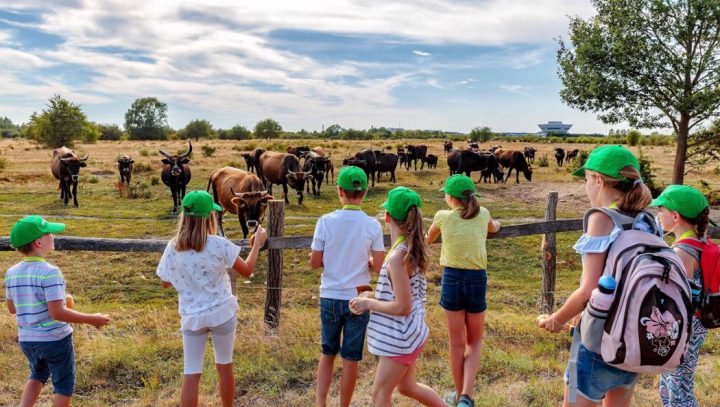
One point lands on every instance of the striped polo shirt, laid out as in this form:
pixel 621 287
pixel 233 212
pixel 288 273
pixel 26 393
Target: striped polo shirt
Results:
pixel 392 335
pixel 30 284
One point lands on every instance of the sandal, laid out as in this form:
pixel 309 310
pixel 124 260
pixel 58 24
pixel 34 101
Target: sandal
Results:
pixel 465 401
pixel 451 398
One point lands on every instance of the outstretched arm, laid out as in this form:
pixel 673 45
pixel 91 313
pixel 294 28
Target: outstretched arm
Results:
pixel 59 312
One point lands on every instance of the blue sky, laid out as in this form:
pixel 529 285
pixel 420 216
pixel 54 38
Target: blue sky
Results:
pixel 449 65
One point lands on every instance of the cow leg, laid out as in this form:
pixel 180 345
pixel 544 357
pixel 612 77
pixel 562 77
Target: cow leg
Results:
pixel 422 165
pixel 285 192
pixel 392 176
pixel 75 201
pixel 219 217
pixel 62 190
pixel 174 199
pixel 517 176
pixel 508 174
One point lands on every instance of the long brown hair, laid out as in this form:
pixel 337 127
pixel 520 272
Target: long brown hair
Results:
pixel 701 222
pixel 417 253
pixel 192 232
pixel 471 206
pixel 636 195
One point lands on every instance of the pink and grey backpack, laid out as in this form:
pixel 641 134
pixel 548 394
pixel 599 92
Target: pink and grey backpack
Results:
pixel 648 325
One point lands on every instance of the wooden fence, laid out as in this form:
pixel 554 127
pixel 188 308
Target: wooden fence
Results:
pixel 277 242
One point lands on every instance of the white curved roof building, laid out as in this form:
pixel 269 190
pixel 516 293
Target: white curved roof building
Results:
pixel 554 127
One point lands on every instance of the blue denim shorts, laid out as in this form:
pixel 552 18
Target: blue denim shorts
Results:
pixel 463 290
pixel 595 377
pixel 54 359
pixel 336 319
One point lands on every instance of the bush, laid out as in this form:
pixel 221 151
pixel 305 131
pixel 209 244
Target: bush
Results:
pixel 578 162
pixel 142 167
pixel 633 137
pixel 155 180
pixel 543 161
pixel 144 152
pixel 3 163
pixel 646 172
pixel 92 179
pixel 208 150
pixel 139 190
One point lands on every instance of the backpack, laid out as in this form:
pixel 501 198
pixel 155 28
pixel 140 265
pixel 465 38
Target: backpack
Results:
pixel 648 325
pixel 709 304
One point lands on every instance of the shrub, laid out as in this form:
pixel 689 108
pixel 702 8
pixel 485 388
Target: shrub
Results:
pixel 139 190
pixel 633 137
pixel 92 179
pixel 144 152
pixel 155 180
pixel 208 150
pixel 646 172
pixel 578 162
pixel 3 163
pixel 543 161
pixel 142 167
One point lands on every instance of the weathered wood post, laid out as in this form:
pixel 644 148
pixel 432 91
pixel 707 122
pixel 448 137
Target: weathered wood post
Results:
pixel 276 228
pixel 549 252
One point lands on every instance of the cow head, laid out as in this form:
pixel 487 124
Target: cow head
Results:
pixel 176 161
pixel 252 204
pixel 297 180
pixel 125 164
pixel 72 165
pixel 318 165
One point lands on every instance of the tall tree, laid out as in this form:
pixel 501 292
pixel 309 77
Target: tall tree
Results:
pixel 198 128
pixel 267 129
pixel 481 134
pixel 59 124
pixel 146 119
pixel 652 63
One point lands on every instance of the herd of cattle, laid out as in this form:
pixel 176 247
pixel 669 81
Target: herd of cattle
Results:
pixel 246 193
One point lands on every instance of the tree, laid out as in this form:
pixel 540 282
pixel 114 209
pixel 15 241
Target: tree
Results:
pixel 481 134
pixel 8 128
pixel 58 125
pixel 91 132
pixel 633 137
pixel 652 63
pixel 198 128
pixel 267 129
pixel 110 132
pixel 333 131
pixel 146 119
pixel 237 132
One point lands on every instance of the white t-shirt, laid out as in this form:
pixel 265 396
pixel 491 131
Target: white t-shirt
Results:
pixel 201 279
pixel 346 238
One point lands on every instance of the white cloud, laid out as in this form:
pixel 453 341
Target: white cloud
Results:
pixel 517 88
pixel 421 53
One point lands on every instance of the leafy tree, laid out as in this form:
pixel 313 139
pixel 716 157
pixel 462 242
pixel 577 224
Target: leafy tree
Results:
pixel 237 132
pixel 633 137
pixel 652 63
pixel 91 132
pixel 481 134
pixel 58 125
pixel 333 131
pixel 198 128
pixel 704 147
pixel 146 119
pixel 267 129
pixel 8 128
pixel 110 132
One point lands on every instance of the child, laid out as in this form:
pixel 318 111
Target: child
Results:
pixel 397 331
pixel 464 229
pixel 195 263
pixel 35 291
pixel 342 243
pixel 684 212
pixel 612 180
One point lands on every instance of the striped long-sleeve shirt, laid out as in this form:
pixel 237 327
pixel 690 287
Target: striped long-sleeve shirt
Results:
pixel 30 285
pixel 391 335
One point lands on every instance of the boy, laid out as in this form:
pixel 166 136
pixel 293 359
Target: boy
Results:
pixel 35 292
pixel 343 241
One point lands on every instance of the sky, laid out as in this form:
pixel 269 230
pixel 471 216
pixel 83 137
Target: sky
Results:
pixel 437 65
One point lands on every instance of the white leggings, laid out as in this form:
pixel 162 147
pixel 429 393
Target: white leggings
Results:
pixel 223 337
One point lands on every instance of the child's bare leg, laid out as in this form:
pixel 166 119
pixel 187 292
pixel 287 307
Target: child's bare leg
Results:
pixel 31 391
pixel 456 330
pixel 226 382
pixel 409 387
pixel 60 400
pixel 324 378
pixel 387 376
pixel 347 381
pixel 475 324
pixel 190 387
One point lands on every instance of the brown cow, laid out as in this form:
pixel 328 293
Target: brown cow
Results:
pixel 298 152
pixel 571 155
pixel 125 168
pixel 239 192
pixel 512 159
pixel 283 169
pixel 65 166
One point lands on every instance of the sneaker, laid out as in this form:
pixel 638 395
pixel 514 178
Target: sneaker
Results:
pixel 465 401
pixel 451 398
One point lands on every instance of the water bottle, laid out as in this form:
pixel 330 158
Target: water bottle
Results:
pixel 602 297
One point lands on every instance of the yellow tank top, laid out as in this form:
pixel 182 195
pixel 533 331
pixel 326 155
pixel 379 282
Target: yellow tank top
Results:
pixel 463 240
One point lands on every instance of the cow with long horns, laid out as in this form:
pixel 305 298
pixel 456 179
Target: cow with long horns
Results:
pixel 242 193
pixel 176 174
pixel 65 166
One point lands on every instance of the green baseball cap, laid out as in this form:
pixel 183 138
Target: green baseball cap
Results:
pixel 609 160
pixel 457 184
pixel 29 228
pixel 200 204
pixel 399 201
pixel 348 176
pixel 683 199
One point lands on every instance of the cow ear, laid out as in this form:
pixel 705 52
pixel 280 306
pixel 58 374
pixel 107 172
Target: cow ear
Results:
pixel 288 176
pixel 82 164
pixel 132 161
pixel 165 161
pixel 267 198
pixel 120 161
pixel 185 161
pixel 237 201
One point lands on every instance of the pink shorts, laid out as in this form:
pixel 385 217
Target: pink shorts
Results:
pixel 410 358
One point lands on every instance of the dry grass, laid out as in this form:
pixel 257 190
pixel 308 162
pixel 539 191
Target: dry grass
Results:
pixel 137 360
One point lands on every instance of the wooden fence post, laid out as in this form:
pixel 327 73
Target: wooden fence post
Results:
pixel 276 228
pixel 549 252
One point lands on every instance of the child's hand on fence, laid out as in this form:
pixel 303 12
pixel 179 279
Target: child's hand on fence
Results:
pixel 548 323
pixel 99 320
pixel 259 237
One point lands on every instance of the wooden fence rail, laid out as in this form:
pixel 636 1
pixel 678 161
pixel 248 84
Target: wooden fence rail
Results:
pixel 276 243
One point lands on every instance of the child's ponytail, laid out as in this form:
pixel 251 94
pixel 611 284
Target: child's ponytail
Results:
pixel 701 222
pixel 471 207
pixel 417 254
pixel 637 195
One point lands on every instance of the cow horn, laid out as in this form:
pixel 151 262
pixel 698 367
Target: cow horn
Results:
pixel 187 153
pixel 85 158
pixel 239 195
pixel 66 159
pixel 263 193
pixel 165 154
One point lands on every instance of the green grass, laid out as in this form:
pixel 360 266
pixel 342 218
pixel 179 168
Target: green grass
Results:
pixel 137 359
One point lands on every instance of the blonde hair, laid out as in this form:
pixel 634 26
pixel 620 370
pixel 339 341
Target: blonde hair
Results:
pixel 636 195
pixel 417 253
pixel 192 232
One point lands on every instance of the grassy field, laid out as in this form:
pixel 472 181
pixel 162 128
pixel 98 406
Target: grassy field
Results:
pixel 137 359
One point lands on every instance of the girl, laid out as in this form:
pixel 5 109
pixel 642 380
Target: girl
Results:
pixel 397 331
pixel 195 262
pixel 612 180
pixel 684 212
pixel 464 229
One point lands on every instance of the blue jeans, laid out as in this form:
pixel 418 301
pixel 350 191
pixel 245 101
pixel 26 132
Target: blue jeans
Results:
pixel 56 359
pixel 463 290
pixel 336 319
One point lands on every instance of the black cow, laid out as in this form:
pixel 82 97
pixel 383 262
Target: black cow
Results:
pixel 559 156
pixel 298 152
pixel 256 158
pixel 249 158
pixel 370 159
pixel 447 146
pixel 317 166
pixel 176 174
pixel 453 158
pixel 530 154
pixel 571 155
pixel 431 161
pixel 469 161
pixel 386 163
pixel 473 146
pixel 65 166
pixel 416 153
pixel 125 168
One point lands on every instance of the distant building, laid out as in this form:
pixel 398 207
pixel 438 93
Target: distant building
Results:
pixel 554 127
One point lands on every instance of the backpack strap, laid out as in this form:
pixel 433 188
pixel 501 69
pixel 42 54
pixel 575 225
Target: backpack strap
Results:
pixel 623 220
pixel 697 244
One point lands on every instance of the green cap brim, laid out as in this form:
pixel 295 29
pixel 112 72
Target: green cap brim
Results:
pixel 217 207
pixel 656 202
pixel 54 227
pixel 580 172
pixel 477 194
